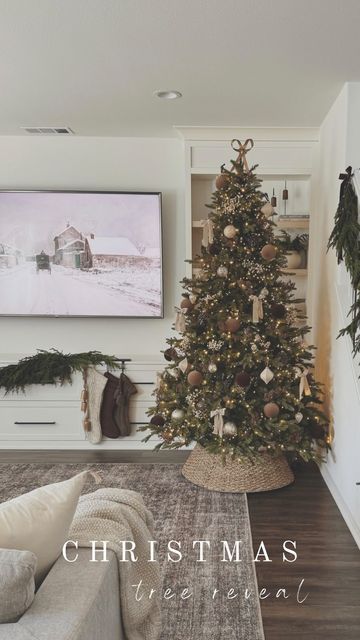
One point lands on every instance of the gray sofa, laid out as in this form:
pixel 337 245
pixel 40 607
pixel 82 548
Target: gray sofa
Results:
pixel 78 601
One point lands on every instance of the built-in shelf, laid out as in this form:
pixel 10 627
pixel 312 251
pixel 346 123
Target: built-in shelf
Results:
pixel 292 223
pixel 295 272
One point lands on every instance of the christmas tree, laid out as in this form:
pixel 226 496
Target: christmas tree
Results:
pixel 238 380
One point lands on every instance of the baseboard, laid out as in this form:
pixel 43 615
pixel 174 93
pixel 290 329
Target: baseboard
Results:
pixel 343 508
pixel 66 456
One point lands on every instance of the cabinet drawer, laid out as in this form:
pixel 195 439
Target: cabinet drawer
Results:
pixel 38 393
pixel 28 422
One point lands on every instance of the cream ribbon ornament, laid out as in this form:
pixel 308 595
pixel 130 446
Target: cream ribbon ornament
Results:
pixel 257 310
pixel 242 149
pixel 180 324
pixel 208 232
pixel 304 388
pixel 218 416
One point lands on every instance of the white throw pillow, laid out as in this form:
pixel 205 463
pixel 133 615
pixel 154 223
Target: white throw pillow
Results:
pixel 17 585
pixel 39 521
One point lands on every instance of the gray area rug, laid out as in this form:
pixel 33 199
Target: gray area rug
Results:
pixel 182 512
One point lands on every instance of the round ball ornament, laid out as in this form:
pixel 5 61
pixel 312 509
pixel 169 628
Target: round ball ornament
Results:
pixel 230 231
pixel 186 304
pixel 170 354
pixel 222 272
pixel 221 181
pixel 157 420
pixel 212 367
pixel 195 378
pixel 267 210
pixel 242 379
pixel 268 252
pixel 178 414
pixel 213 249
pixel 278 311
pixel 271 410
pixel 230 428
pixel 232 324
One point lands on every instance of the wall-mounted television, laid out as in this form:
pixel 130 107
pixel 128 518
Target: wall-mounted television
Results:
pixel 80 253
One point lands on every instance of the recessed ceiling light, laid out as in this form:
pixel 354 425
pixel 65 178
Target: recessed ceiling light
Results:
pixel 168 95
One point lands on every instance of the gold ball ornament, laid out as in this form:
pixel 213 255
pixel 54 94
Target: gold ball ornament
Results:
pixel 230 231
pixel 195 378
pixel 221 181
pixel 212 367
pixel 271 410
pixel 222 271
pixel 178 414
pixel 267 210
pixel 268 252
pixel 230 428
pixel 232 324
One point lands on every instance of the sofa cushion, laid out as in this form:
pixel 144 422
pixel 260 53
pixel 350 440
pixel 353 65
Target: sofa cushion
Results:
pixel 17 583
pixel 39 521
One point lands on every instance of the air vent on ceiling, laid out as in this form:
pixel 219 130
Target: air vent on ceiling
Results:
pixel 49 131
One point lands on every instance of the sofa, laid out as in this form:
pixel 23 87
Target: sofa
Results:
pixel 78 601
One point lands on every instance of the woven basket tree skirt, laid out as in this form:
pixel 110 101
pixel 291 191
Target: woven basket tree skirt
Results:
pixel 264 474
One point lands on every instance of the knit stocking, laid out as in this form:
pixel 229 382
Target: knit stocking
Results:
pixel 95 384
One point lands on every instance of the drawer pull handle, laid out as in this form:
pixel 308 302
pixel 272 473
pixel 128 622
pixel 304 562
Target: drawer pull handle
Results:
pixel 26 422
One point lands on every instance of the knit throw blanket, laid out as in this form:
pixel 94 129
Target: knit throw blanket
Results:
pixel 116 515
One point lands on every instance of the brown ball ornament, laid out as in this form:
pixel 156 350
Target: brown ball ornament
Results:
pixel 157 420
pixel 186 304
pixel 268 252
pixel 213 249
pixel 278 311
pixel 221 181
pixel 232 324
pixel 170 354
pixel 195 378
pixel 271 410
pixel 242 379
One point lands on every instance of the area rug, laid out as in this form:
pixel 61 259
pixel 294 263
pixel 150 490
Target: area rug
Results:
pixel 182 512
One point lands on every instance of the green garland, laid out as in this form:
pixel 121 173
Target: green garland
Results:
pixel 345 240
pixel 50 367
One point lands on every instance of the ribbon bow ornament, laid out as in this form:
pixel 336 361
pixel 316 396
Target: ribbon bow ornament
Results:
pixel 257 310
pixel 180 324
pixel 304 388
pixel 242 149
pixel 208 232
pixel 218 416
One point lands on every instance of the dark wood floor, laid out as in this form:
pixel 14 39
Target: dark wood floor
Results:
pixel 328 558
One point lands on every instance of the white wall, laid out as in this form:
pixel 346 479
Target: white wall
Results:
pixel 140 164
pixel 328 304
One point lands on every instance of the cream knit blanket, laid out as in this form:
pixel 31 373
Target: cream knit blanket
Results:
pixel 116 515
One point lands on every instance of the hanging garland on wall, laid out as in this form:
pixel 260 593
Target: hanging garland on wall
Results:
pixel 51 367
pixel 345 239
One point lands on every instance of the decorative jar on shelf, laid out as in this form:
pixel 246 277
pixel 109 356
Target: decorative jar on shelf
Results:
pixel 293 259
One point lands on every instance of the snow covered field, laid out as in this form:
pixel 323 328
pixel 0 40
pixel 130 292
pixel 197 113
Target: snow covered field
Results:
pixel 118 292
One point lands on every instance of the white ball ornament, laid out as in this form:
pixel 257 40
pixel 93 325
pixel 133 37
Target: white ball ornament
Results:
pixel 212 367
pixel 230 231
pixel 222 272
pixel 267 210
pixel 298 417
pixel 178 414
pixel 230 428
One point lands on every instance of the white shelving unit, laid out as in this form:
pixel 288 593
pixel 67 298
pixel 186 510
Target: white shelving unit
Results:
pixel 282 154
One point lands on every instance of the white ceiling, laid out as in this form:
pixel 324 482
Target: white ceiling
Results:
pixel 94 64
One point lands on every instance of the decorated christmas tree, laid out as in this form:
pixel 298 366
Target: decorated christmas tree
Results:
pixel 239 378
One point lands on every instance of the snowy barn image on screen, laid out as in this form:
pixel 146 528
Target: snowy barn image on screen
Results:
pixel 80 254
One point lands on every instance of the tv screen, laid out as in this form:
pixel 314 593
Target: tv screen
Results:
pixel 74 253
